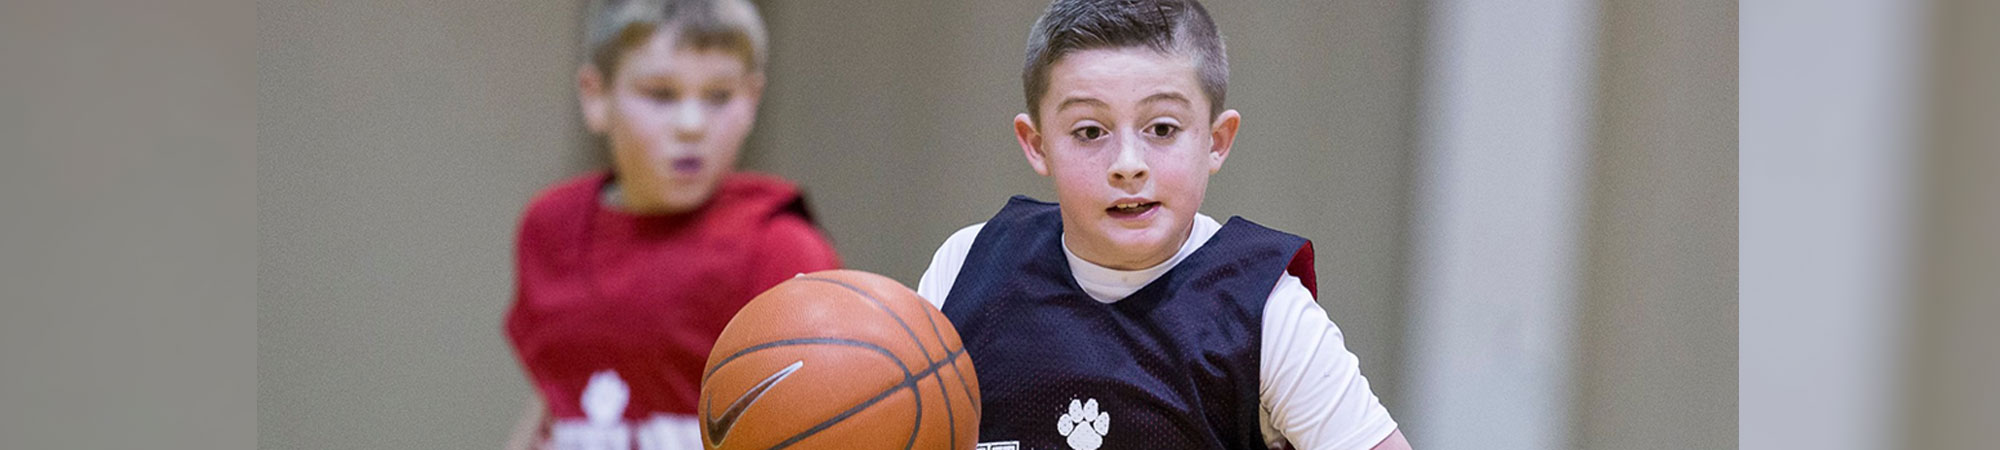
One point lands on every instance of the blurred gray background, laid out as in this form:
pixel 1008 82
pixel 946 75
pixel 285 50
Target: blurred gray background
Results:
pixel 1529 208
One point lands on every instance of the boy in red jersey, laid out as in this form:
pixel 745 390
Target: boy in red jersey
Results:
pixel 626 277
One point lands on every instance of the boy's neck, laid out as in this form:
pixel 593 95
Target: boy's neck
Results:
pixel 1168 257
pixel 613 197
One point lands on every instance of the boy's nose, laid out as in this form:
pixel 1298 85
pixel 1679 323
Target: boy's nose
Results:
pixel 1130 164
pixel 689 120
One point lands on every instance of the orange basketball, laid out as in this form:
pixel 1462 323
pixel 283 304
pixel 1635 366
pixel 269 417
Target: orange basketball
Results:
pixel 839 359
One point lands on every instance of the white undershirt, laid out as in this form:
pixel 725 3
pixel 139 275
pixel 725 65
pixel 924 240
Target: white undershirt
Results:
pixel 1310 386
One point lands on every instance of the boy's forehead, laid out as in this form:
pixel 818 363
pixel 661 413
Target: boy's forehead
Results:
pixel 1122 71
pixel 664 53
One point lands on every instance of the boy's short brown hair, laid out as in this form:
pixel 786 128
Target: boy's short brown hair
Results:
pixel 613 27
pixel 1170 26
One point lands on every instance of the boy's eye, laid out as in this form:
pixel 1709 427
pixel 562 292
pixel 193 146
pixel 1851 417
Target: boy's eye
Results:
pixel 1088 133
pixel 667 95
pixel 717 97
pixel 1162 130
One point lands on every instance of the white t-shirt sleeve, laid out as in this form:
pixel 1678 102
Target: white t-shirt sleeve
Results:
pixel 937 279
pixel 1309 383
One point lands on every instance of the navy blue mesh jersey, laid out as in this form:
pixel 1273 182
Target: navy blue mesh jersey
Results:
pixel 1173 366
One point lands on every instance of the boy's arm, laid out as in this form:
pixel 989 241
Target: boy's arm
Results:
pixel 1395 441
pixel 533 245
pixel 529 429
pixel 1310 383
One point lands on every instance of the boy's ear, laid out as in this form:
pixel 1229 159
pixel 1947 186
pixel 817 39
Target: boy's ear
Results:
pixel 753 85
pixel 1031 143
pixel 592 93
pixel 1222 135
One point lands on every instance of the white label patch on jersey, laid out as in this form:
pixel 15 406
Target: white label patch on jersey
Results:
pixel 1000 445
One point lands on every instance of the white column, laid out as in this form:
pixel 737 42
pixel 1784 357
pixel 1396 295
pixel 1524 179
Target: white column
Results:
pixel 1496 235
pixel 1829 106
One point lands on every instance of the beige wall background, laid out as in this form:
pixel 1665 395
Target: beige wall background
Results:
pixel 1657 357
pixel 398 142
pixel 1953 402
pixel 127 175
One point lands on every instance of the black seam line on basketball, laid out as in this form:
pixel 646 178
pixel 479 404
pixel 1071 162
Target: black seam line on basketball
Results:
pixel 962 385
pixel 951 359
pixel 912 332
pixel 949 417
pixel 909 382
pixel 810 341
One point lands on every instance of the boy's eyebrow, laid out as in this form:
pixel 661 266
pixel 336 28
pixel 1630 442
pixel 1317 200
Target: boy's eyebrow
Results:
pixel 1067 102
pixel 1168 97
pixel 1160 97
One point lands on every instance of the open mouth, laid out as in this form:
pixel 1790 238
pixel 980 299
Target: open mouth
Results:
pixel 686 166
pixel 1131 210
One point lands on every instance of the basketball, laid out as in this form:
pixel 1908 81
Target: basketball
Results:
pixel 839 359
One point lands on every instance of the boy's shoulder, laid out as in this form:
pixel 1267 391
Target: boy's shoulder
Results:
pixel 741 186
pixel 738 193
pixel 752 196
pixel 1250 226
pixel 1298 260
pixel 571 196
pixel 1024 210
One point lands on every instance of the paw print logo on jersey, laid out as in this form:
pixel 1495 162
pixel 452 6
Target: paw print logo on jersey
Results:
pixel 1084 425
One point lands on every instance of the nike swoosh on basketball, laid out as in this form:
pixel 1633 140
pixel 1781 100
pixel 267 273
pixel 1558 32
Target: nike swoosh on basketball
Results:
pixel 718 427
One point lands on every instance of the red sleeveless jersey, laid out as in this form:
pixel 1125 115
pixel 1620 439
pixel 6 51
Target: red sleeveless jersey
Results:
pixel 646 296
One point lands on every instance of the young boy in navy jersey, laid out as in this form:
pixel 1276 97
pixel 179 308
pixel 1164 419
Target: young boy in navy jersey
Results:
pixel 1120 317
